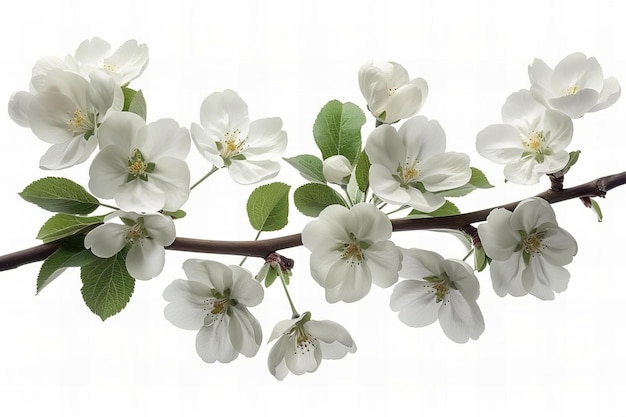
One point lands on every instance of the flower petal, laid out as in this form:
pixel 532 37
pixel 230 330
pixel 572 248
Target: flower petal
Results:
pixel 106 240
pixel 145 259
pixel 213 342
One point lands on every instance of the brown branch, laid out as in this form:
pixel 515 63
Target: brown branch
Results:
pixel 262 248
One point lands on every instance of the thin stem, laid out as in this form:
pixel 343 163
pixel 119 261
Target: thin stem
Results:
pixel 294 312
pixel 397 210
pixel 262 248
pixel 108 206
pixel 468 254
pixel 204 178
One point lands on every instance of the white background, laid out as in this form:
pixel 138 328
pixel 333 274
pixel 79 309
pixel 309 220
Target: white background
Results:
pixel 288 59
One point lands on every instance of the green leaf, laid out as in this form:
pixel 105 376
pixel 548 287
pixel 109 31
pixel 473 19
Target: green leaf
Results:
pixel 268 207
pixel 63 225
pixel 480 259
pixel 60 195
pixel 310 199
pixel 178 214
pixel 309 166
pixel 138 105
pixel 362 171
pixel 595 207
pixel 479 179
pixel 573 158
pixel 129 94
pixel 70 254
pixel 134 102
pixel 337 130
pixel 448 209
pixel 107 285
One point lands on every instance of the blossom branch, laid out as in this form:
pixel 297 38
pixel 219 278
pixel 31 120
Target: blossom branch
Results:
pixel 262 248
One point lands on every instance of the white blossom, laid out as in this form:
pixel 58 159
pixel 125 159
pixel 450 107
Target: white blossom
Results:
pixel 410 166
pixel 146 236
pixel 350 249
pixel 389 93
pixel 530 143
pixel 227 138
pixel 438 289
pixel 123 65
pixel 141 165
pixel 214 300
pixel 337 169
pixel 66 113
pixel 528 250
pixel 303 343
pixel 575 86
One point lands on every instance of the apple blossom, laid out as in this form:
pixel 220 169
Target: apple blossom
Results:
pixel 123 65
pixel 146 235
pixel 67 112
pixel 303 343
pixel 528 250
pixel 214 300
pixel 141 165
pixel 530 143
pixel 410 166
pixel 227 138
pixel 575 86
pixel 389 93
pixel 350 249
pixel 438 288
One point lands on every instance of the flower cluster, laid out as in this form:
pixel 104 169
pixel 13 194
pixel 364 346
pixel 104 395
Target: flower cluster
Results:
pixel 537 122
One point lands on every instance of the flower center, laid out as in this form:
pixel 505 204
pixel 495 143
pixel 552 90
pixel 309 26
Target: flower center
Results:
pixel 534 142
pixel 217 305
pixel 531 244
pixel 408 173
pixel 304 341
pixel 440 286
pixel 109 67
pixel 352 251
pixel 138 167
pixel 391 91
pixel 135 234
pixel 80 124
pixel 136 231
pixel 570 91
pixel 231 145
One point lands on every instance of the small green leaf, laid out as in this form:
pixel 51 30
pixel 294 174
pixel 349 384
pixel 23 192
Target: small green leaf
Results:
pixel 362 171
pixel 138 105
pixel 63 225
pixel 573 158
pixel 448 209
pixel 107 285
pixel 60 195
pixel 309 166
pixel 337 130
pixel 480 259
pixel 178 214
pixel 595 207
pixel 310 199
pixel 268 207
pixel 129 94
pixel 70 254
pixel 479 179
